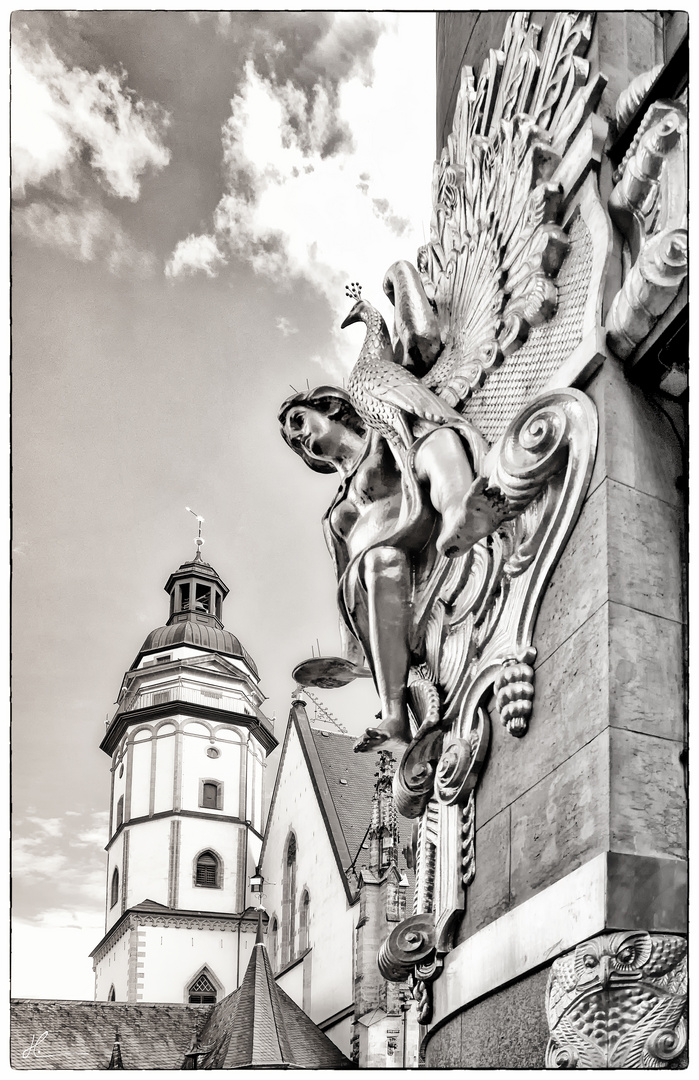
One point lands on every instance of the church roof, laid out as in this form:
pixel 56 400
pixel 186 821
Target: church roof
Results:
pixel 346 807
pixel 259 1026
pixel 81 1034
pixel 352 799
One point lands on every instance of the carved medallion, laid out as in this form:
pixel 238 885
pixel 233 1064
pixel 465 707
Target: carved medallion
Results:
pixel 618 1001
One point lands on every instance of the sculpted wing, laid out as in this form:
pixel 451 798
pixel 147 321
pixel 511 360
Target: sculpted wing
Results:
pixel 402 390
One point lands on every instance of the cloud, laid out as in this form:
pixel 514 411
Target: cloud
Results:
pixel 62 116
pixel 285 326
pixel 322 176
pixel 79 136
pixel 196 253
pixel 86 232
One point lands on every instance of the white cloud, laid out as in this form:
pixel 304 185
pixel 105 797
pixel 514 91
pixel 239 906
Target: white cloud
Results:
pixel 196 253
pixel 85 231
pixel 285 327
pixel 61 115
pixel 302 204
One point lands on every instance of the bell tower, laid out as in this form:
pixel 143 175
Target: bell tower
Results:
pixel 188 744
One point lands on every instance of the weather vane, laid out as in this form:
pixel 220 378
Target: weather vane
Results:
pixel 198 540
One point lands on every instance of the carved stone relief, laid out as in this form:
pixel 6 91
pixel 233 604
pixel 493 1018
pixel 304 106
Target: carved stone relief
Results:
pixel 477 450
pixel 649 207
pixel 618 1001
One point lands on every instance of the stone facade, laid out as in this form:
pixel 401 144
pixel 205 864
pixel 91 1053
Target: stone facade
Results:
pixel 580 829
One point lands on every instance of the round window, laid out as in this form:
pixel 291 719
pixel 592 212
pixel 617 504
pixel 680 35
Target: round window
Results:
pixel 213 752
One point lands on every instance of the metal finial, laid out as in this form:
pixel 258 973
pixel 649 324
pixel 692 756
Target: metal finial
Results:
pixel 198 540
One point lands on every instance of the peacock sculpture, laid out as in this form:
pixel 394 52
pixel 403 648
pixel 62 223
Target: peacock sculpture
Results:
pixel 388 397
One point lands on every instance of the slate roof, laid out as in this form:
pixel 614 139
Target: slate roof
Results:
pixel 353 799
pixel 259 1026
pixel 81 1034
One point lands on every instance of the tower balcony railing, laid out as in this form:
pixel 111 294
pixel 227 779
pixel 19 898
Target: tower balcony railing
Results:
pixel 191 694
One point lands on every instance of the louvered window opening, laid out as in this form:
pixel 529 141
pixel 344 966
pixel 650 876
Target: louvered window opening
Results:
pixel 202 992
pixel 207 868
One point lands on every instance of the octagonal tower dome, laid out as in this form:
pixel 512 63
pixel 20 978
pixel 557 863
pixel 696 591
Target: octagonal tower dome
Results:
pixel 196 600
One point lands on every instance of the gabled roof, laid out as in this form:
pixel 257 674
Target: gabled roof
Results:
pixel 350 779
pixel 81 1034
pixel 259 1026
pixel 346 807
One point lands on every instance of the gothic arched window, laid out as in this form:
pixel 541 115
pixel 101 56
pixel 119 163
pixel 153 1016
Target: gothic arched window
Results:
pixel 207 870
pixel 111 996
pixel 289 902
pixel 202 990
pixel 304 911
pixel 120 812
pixel 115 888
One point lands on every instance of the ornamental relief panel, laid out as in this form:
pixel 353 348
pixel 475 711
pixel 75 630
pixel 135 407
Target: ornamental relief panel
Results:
pixel 464 451
pixel 618 1001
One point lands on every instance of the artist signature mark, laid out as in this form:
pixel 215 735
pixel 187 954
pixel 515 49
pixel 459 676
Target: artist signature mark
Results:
pixel 36 1042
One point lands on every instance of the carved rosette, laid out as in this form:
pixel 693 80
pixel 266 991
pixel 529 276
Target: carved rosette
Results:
pixel 649 207
pixel 618 1001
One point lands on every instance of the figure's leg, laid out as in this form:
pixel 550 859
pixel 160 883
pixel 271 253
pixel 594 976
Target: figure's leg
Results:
pixel 469 509
pixel 387 582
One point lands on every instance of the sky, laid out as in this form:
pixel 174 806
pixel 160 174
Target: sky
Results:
pixel 191 193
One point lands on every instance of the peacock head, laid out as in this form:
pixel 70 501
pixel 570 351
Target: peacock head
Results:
pixel 360 307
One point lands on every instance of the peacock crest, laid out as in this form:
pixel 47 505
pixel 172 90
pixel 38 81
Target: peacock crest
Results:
pixel 495 243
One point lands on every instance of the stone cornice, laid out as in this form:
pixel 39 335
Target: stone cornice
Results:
pixel 187 920
pixel 180 814
pixel 191 709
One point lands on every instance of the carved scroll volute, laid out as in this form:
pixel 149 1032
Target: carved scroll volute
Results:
pixel 410 943
pixel 649 207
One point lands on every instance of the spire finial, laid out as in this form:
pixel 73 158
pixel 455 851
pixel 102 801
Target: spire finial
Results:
pixel 259 939
pixel 199 540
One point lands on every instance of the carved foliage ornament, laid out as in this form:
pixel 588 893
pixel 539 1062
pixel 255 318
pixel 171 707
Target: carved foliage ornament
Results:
pixel 495 246
pixel 618 1001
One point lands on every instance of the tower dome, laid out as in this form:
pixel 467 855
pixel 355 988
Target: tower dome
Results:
pixel 196 599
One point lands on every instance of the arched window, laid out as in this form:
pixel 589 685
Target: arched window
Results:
pixel 289 902
pixel 273 940
pixel 303 921
pixel 115 888
pixel 207 870
pixel 120 812
pixel 202 991
pixel 111 996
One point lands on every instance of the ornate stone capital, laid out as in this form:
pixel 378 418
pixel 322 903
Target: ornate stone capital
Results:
pixel 618 1001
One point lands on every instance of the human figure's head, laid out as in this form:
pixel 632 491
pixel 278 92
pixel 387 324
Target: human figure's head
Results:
pixel 328 401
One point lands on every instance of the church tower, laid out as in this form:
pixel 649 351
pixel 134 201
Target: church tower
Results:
pixel 188 744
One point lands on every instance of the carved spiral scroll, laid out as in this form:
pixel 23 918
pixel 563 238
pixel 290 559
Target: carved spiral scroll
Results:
pixel 666 1044
pixel 411 943
pixel 534 448
pixel 413 780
